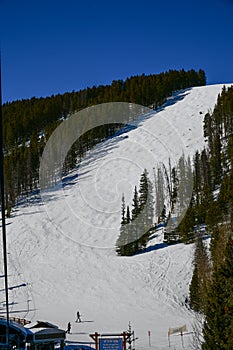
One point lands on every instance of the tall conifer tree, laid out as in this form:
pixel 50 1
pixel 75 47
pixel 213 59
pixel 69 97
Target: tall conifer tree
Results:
pixel 219 314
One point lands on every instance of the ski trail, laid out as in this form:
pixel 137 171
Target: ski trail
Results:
pixel 65 247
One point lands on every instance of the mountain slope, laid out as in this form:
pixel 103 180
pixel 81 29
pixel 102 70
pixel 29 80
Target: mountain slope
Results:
pixel 64 245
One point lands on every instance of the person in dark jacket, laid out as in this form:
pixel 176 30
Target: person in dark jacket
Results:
pixel 68 328
pixel 78 317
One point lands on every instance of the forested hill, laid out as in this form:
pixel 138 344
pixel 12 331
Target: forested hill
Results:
pixel 208 223
pixel 27 124
pixel 211 288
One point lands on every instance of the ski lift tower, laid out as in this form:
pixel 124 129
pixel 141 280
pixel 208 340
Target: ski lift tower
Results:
pixel 2 189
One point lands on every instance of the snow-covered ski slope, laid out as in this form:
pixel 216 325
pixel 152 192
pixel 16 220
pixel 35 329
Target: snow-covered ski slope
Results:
pixel 63 246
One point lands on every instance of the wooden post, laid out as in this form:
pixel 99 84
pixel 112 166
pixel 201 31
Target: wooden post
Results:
pixel 125 336
pixel 95 337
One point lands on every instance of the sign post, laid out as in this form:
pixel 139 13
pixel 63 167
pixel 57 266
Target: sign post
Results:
pixel 111 341
pixel 169 343
pixel 110 344
pixel 149 338
pixel 175 330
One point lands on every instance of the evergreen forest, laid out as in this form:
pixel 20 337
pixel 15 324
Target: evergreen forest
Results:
pixel 211 207
pixel 28 124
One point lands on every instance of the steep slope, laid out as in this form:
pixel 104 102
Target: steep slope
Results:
pixel 63 246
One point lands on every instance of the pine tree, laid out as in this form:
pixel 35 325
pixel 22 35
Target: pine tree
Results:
pixel 201 276
pixel 135 204
pixel 174 192
pixel 123 218
pixel 134 231
pixel 128 215
pixel 219 314
pixel 143 190
pixel 186 226
pixel 216 159
pixel 146 201
pixel 146 204
pixel 123 240
pixel 194 290
pixel 135 226
pixel 159 195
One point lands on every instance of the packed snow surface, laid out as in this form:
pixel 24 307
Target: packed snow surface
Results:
pixel 62 244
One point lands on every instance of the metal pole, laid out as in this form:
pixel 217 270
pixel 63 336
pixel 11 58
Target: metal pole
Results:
pixel 182 341
pixel 169 343
pixel 3 211
pixel 149 338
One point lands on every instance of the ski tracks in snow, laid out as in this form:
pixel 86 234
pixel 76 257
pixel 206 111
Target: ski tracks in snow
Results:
pixel 160 281
pixel 60 249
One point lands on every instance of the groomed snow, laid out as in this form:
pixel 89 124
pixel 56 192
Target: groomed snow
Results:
pixel 64 246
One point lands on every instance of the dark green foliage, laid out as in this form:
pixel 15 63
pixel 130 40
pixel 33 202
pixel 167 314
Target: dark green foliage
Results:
pixel 186 226
pixel 172 184
pixel 219 314
pixel 216 160
pixel 123 218
pixel 25 117
pixel 212 169
pixel 135 205
pixel 122 246
pixel 179 184
pixel 213 204
pixel 160 208
pixel 134 231
pixel 135 228
pixel 230 150
pixel 194 290
pixel 213 214
pixel 218 128
pixel 163 215
pixel 198 290
pixel 25 121
pixel 146 203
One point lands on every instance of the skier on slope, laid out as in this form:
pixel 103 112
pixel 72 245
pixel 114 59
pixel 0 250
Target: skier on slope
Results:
pixel 68 328
pixel 78 317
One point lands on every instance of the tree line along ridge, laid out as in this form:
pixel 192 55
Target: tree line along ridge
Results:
pixel 28 124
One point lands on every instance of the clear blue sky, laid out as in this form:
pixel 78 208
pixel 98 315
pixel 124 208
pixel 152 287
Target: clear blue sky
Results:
pixel 56 46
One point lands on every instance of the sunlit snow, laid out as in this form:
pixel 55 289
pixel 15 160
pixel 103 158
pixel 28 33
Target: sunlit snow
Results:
pixel 63 247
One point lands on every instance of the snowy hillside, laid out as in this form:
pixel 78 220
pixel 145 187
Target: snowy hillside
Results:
pixel 63 246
